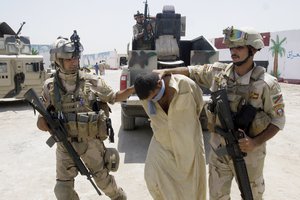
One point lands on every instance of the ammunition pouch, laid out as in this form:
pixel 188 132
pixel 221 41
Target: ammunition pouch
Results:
pixel 259 124
pixel 102 125
pixel 111 159
pixel 87 125
pixel 244 118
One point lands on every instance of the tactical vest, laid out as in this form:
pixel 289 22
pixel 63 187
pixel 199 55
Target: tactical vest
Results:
pixel 83 115
pixel 239 95
pixel 141 43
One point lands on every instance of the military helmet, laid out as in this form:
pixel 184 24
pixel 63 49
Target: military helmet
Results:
pixel 241 37
pixel 138 14
pixel 63 48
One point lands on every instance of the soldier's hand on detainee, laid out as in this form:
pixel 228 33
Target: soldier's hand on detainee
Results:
pixel 161 72
pixel 247 144
pixel 42 124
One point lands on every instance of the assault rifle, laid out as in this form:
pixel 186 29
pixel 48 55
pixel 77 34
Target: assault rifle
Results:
pixel 221 107
pixel 59 134
pixel 147 33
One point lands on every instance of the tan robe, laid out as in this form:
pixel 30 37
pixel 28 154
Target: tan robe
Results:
pixel 175 164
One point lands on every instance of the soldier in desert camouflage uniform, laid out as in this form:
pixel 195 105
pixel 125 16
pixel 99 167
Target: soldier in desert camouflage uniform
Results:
pixel 139 31
pixel 73 96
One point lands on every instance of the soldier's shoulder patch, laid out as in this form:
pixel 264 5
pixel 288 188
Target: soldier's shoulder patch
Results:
pixel 279 109
pixel 277 99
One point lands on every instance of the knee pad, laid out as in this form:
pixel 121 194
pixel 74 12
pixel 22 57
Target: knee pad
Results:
pixel 65 190
pixel 111 159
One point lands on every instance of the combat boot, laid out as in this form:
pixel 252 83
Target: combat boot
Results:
pixel 65 190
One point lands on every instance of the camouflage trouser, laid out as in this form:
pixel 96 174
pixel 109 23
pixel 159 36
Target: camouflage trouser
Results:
pixel 92 153
pixel 221 173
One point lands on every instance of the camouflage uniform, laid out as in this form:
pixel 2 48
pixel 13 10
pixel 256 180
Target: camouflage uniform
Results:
pixel 141 44
pixel 257 88
pixel 89 146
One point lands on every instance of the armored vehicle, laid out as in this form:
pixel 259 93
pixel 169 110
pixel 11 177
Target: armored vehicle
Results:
pixel 19 68
pixel 169 51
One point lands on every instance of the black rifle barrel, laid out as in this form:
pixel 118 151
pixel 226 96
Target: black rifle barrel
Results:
pixel 222 107
pixel 19 31
pixel 146 22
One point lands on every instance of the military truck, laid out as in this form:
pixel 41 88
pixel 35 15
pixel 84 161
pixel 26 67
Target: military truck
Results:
pixel 19 68
pixel 170 51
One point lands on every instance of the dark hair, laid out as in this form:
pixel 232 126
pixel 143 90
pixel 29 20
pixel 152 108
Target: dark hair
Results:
pixel 145 83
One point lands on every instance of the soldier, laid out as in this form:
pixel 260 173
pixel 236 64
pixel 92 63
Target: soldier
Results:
pixel 140 42
pixel 79 99
pixel 246 84
pixel 175 163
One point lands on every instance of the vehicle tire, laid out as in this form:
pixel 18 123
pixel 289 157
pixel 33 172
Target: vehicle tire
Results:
pixel 128 123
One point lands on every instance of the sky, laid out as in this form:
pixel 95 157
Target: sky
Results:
pixel 106 25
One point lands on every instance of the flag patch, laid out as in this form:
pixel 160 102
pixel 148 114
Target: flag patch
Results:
pixel 277 99
pixel 254 95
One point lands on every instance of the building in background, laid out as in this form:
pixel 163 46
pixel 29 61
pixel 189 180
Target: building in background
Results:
pixel 112 59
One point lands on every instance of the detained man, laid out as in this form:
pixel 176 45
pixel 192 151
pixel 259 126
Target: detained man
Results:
pixel 175 163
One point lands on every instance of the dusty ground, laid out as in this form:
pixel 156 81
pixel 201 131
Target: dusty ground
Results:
pixel 27 169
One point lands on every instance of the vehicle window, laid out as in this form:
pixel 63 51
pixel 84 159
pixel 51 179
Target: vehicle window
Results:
pixel 32 67
pixel 12 48
pixel 3 67
pixel 26 49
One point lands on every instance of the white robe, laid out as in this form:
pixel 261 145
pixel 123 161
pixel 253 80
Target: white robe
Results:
pixel 175 163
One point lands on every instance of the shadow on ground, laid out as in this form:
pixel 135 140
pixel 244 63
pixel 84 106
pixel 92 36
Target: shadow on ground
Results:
pixel 18 105
pixel 135 143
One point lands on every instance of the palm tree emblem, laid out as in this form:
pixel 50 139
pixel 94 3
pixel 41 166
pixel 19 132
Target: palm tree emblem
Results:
pixel 34 51
pixel 277 49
